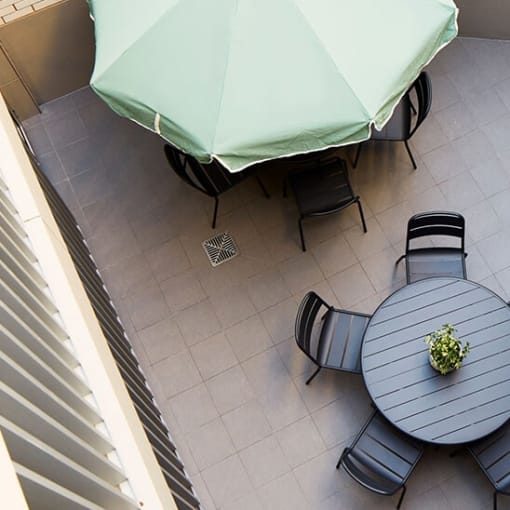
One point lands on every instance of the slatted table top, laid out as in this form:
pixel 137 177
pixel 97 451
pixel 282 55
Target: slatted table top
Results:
pixel 461 406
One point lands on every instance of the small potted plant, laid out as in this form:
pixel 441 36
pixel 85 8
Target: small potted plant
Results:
pixel 446 352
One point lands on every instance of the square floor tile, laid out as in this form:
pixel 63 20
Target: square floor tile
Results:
pixel 333 255
pixel 182 291
pixel 161 340
pixel 283 405
pixel 267 289
pixel 193 408
pixel 318 477
pixel 300 441
pixel 210 444
pixel 266 372
pixel 168 259
pixel 366 244
pixel 230 389
pixel 495 251
pixel 146 305
pixel 247 424
pixel 213 355
pixel 227 481
pixel 461 192
pixel 176 373
pixel 248 338
pixel 351 285
pixel 280 319
pixel 300 273
pixel 233 305
pixel 284 492
pixel 198 322
pixel 264 461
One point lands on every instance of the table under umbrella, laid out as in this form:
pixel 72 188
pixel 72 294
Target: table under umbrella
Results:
pixel 243 81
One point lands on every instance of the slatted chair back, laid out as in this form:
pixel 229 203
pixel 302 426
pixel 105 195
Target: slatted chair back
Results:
pixel 400 126
pixel 305 320
pixel 423 88
pixel 177 160
pixel 381 457
pixel 436 223
pixel 213 177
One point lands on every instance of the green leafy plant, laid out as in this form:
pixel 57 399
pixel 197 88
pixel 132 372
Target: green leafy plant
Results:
pixel 446 351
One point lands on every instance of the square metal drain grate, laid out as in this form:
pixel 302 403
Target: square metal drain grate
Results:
pixel 220 248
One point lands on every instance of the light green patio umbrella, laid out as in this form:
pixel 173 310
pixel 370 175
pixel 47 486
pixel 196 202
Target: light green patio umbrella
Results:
pixel 244 81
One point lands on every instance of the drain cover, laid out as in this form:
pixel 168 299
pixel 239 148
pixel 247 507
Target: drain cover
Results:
pixel 220 248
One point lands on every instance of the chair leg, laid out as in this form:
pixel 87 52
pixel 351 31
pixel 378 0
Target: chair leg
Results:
pixel 262 187
pixel 410 154
pixel 341 456
pixel 285 187
pixel 401 497
pixel 313 375
pixel 495 501
pixel 400 258
pixel 216 203
pixel 362 216
pixel 303 246
pixel 356 157
pixel 455 453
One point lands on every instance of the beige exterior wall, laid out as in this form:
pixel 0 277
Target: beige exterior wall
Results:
pixel 488 19
pixel 14 9
pixel 52 50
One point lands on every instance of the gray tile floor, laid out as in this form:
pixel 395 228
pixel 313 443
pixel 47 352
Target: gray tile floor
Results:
pixel 216 343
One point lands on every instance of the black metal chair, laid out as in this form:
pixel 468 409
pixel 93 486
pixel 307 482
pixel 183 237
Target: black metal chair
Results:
pixel 322 187
pixel 211 179
pixel 435 260
pixel 400 127
pixel 338 343
pixel 492 453
pixel 381 458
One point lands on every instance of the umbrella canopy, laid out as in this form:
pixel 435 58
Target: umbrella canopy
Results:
pixel 244 81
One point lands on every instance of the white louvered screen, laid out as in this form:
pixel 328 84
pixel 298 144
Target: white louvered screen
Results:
pixel 52 429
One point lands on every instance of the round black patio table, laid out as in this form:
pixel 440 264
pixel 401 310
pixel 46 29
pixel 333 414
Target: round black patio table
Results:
pixel 459 407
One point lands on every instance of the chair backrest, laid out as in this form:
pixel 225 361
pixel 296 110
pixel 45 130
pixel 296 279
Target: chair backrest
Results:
pixel 436 223
pixel 211 179
pixel 381 457
pixel 423 88
pixel 305 320
pixel 179 162
pixel 400 125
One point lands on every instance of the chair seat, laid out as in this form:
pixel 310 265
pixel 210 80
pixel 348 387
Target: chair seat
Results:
pixel 321 189
pixel 428 262
pixel 330 337
pixel 340 340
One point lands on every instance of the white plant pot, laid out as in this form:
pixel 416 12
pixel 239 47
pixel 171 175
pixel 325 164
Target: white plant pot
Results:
pixel 433 364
